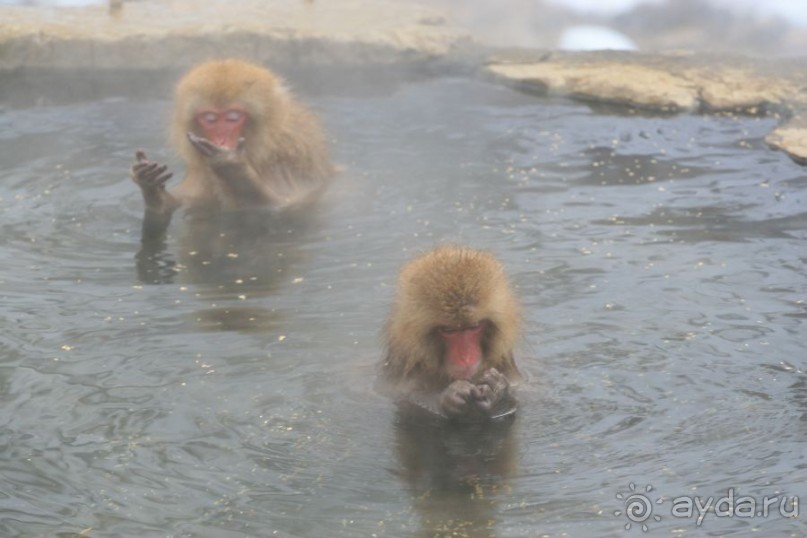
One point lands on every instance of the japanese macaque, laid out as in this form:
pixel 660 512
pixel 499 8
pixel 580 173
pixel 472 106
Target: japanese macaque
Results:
pixel 450 335
pixel 246 143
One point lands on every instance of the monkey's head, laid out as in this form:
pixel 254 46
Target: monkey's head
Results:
pixel 224 101
pixel 454 315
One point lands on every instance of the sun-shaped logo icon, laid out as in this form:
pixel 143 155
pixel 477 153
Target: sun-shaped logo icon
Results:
pixel 638 506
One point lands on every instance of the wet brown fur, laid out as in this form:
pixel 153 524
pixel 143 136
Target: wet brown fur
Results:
pixel 450 286
pixel 284 142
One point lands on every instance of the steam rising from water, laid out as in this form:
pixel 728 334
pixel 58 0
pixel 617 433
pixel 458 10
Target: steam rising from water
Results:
pixel 774 27
pixel 743 26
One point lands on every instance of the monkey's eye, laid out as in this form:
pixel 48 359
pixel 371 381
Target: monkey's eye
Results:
pixel 234 116
pixel 209 117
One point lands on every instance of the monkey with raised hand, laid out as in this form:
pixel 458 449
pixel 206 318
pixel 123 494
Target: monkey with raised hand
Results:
pixel 246 142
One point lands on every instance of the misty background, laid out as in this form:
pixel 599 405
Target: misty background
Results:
pixel 751 27
pixel 773 27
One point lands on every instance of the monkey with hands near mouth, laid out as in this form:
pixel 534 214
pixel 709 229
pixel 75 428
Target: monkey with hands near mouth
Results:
pixel 450 335
pixel 246 143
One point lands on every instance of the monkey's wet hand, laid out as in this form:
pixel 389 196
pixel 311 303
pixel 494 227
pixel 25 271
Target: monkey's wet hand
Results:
pixel 150 176
pixel 492 387
pixel 214 151
pixel 455 398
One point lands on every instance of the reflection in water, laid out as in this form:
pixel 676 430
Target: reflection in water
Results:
pixel 231 252
pixel 154 265
pixel 234 318
pixel 454 470
pixel 229 257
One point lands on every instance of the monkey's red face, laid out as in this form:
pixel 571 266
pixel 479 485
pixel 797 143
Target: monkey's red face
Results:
pixel 222 126
pixel 463 349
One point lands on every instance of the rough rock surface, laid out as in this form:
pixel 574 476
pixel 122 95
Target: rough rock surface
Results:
pixel 791 138
pixel 156 34
pixel 670 83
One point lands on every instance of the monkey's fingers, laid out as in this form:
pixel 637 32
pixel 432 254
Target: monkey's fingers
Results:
pixel 163 179
pixel 151 174
pixel 484 405
pixel 484 397
pixel 454 403
pixel 454 398
pixel 143 166
pixel 495 380
pixel 481 392
pixel 140 156
pixel 205 146
pixel 139 170
pixel 152 171
pixel 158 174
pixel 493 372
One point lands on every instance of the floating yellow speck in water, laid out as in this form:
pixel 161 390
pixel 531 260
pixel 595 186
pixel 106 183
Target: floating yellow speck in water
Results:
pixel 281 338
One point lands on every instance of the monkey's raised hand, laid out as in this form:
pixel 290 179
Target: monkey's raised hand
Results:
pixel 148 174
pixel 151 178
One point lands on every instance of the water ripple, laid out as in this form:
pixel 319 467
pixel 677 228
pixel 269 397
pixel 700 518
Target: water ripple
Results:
pixel 222 386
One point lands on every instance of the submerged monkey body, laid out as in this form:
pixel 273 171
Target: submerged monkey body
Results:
pixel 245 140
pixel 451 333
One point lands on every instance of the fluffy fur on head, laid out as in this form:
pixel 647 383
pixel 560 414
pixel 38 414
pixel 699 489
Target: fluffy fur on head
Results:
pixel 280 133
pixel 223 83
pixel 450 286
